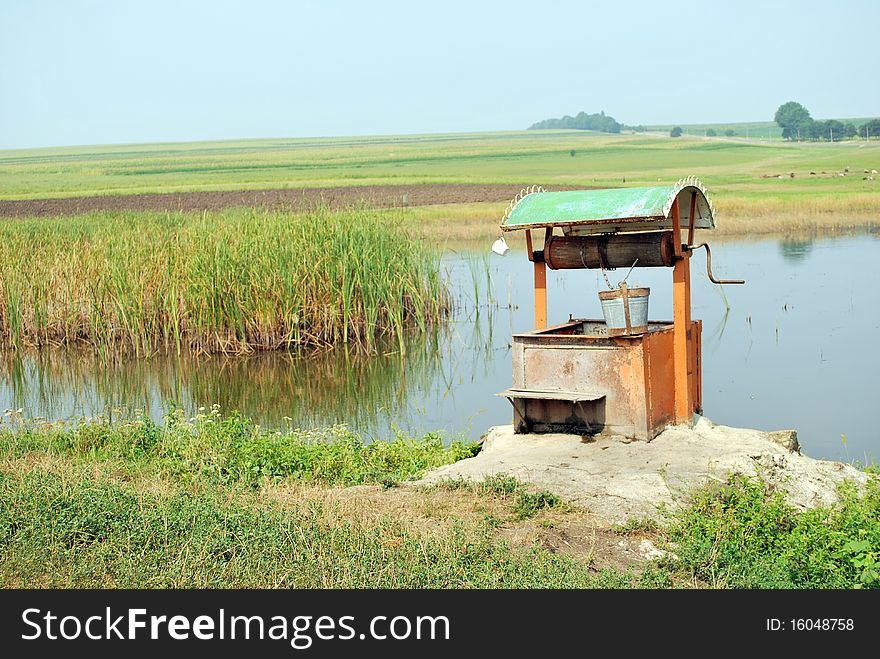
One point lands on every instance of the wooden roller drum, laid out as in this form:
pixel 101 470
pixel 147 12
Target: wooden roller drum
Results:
pixel 653 250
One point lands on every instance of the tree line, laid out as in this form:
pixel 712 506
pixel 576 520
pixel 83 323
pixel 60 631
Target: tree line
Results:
pixel 792 117
pixel 797 124
pixel 582 121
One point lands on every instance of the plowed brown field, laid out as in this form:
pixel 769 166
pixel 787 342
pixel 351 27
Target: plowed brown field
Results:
pixel 379 196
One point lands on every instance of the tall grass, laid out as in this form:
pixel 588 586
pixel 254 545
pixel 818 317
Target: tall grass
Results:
pixel 230 282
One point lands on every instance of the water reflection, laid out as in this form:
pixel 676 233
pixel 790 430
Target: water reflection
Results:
pixel 277 389
pixel 795 251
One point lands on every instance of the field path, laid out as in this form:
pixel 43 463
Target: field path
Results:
pixel 378 196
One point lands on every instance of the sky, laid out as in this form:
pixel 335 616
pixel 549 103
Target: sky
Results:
pixel 101 72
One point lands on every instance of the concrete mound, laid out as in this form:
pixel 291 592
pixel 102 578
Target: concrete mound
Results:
pixel 620 480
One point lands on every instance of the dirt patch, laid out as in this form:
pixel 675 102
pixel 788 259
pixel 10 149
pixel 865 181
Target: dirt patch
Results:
pixel 425 511
pixel 429 511
pixel 375 196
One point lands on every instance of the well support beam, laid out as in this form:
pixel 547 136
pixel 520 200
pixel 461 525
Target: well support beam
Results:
pixel 540 295
pixel 537 257
pixel 683 367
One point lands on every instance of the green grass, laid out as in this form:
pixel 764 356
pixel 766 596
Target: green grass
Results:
pixel 98 516
pixel 233 281
pixel 758 130
pixel 729 167
pixel 231 450
pixel 210 502
pixel 749 180
pixel 74 531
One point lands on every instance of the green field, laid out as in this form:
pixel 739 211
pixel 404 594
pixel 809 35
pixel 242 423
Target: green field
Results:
pixel 753 130
pixel 732 168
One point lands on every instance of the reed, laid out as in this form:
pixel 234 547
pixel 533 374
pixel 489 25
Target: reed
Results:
pixel 227 282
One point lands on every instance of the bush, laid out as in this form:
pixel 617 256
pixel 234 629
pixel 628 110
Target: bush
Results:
pixel 675 132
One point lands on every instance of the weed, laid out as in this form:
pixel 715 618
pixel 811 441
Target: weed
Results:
pixel 71 530
pixel 499 484
pixel 529 504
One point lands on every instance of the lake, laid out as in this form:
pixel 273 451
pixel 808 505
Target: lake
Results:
pixel 792 348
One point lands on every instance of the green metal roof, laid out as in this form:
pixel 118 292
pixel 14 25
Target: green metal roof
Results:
pixel 611 209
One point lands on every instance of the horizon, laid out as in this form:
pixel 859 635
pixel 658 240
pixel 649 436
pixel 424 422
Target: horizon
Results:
pixel 651 128
pixel 92 73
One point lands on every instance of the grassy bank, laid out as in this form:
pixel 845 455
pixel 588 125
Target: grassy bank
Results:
pixel 212 448
pixel 216 502
pixel 232 281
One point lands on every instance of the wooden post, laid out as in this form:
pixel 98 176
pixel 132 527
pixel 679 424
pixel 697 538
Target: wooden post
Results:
pixel 537 257
pixel 540 294
pixel 693 218
pixel 681 298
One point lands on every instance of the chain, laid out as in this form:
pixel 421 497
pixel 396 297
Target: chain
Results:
pixel 607 281
pixel 584 263
pixel 604 274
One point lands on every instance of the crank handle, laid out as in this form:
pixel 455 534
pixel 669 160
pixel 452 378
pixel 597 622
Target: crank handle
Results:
pixel 691 248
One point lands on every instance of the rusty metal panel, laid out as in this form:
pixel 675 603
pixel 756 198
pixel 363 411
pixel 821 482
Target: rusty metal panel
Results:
pixel 635 374
pixel 660 398
pixel 612 366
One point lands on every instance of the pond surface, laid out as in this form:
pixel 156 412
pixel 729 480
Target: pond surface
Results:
pixel 796 347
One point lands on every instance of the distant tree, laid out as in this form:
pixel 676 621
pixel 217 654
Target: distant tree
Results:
pixel 794 120
pixel 730 132
pixel 710 132
pixel 675 132
pixel 571 153
pixel 816 131
pixel 870 129
pixel 831 130
pixel 834 130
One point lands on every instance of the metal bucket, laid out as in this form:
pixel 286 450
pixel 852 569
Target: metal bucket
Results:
pixel 625 310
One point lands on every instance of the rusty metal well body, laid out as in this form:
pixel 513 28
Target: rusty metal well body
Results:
pixel 583 376
pixel 626 380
